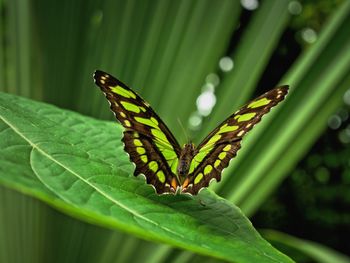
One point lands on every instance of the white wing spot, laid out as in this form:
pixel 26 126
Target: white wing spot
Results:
pixel 240 133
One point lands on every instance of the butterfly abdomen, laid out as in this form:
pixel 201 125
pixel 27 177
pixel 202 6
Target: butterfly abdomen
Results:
pixel 183 167
pixel 185 159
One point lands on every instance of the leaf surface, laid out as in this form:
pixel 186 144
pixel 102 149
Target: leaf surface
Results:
pixel 78 164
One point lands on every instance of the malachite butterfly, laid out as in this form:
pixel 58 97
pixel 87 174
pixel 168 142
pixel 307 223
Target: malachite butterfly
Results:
pixel 157 154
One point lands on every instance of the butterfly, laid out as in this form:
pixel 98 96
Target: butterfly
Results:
pixel 168 167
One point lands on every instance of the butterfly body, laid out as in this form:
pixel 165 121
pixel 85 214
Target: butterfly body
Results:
pixel 186 156
pixel 155 151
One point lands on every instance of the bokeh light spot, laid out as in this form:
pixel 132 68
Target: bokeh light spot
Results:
pixel 344 136
pixel 250 4
pixel 213 79
pixel 309 35
pixel 334 122
pixel 226 64
pixel 205 103
pixel 346 97
pixel 295 8
pixel 195 121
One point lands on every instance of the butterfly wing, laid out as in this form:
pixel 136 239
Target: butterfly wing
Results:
pixel 148 141
pixel 221 145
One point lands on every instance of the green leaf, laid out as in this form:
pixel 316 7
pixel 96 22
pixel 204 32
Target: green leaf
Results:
pixel 78 165
pixel 317 252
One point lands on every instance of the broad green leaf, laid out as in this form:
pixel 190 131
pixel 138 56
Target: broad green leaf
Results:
pixel 77 164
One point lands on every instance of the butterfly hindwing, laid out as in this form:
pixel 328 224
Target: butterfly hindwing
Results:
pixel 148 161
pixel 150 144
pixel 215 161
pixel 221 145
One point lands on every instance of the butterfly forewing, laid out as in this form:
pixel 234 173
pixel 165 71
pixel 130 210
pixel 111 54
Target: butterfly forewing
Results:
pixel 221 145
pixel 150 144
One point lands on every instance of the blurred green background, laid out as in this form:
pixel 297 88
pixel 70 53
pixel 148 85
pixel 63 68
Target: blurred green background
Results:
pixel 196 62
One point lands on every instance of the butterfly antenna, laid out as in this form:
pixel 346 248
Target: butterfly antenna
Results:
pixel 183 130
